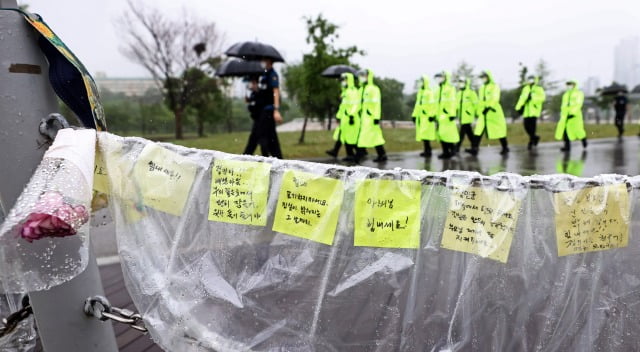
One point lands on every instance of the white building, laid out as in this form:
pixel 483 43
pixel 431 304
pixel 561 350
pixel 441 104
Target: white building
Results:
pixel 627 62
pixel 131 87
pixel 591 85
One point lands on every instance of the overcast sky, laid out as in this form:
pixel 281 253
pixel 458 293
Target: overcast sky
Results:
pixel 403 39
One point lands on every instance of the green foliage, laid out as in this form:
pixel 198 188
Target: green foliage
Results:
pixel 508 100
pixel 543 71
pixel 317 96
pixel 465 71
pixel 393 104
pixel 522 74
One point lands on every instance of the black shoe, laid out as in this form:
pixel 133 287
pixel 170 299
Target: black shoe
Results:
pixel 536 141
pixel 349 158
pixel 504 151
pixel 565 149
pixel 332 153
pixel 530 145
pixel 380 158
pixel 445 156
pixel 426 154
pixel 584 143
pixel 472 151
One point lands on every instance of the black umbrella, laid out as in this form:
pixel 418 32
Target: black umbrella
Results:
pixel 613 89
pixel 254 51
pixel 334 71
pixel 239 68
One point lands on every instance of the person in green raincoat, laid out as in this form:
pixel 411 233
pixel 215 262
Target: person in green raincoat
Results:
pixel 446 115
pixel 491 117
pixel 571 126
pixel 467 107
pixel 338 131
pixel 350 117
pixel 530 107
pixel 424 116
pixel 370 114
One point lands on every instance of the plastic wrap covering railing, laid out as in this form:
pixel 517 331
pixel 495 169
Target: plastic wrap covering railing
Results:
pixel 226 252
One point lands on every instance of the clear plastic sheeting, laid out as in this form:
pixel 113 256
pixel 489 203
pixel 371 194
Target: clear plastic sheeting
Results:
pixel 44 238
pixel 23 337
pixel 494 264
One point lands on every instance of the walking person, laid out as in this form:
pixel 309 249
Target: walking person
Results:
pixel 424 116
pixel 467 107
pixel 269 96
pixel 491 116
pixel 620 105
pixel 446 115
pixel 571 126
pixel 350 116
pixel 370 114
pixel 257 130
pixel 337 133
pixel 529 106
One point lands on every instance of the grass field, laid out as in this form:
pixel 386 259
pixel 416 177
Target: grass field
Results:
pixel 397 140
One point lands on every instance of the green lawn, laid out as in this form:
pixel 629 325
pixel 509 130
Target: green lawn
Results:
pixel 397 140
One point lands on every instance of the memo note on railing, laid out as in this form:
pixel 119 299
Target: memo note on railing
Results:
pixel 592 219
pixel 387 214
pixel 239 191
pixel 481 221
pixel 308 206
pixel 164 178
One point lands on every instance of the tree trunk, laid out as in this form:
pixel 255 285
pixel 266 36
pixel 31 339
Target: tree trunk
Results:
pixel 177 113
pixel 304 129
pixel 329 123
pixel 200 127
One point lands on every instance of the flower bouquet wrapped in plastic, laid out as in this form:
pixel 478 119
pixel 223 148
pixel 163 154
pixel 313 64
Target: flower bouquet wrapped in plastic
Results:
pixel 44 239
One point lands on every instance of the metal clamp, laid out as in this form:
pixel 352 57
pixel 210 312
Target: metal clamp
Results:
pixel 10 323
pixel 99 307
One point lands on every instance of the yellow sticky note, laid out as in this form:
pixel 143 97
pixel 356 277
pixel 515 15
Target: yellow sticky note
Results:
pixel 164 178
pixel 308 206
pixel 481 221
pixel 592 219
pixel 239 191
pixel 100 176
pixel 387 214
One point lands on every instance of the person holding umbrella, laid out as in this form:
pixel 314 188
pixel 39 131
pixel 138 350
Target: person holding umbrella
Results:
pixel 424 116
pixel 349 115
pixel 338 71
pixel 571 126
pixel 530 107
pixel 491 117
pixel 268 95
pixel 255 109
pixel 370 114
pixel 467 107
pixel 446 115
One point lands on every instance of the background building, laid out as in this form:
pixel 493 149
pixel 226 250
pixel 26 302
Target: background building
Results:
pixel 627 62
pixel 131 87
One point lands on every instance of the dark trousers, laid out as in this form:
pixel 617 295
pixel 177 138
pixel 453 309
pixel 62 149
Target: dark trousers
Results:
pixel 448 148
pixel 263 132
pixel 619 121
pixel 427 148
pixel 361 152
pixel 477 139
pixel 530 128
pixel 466 130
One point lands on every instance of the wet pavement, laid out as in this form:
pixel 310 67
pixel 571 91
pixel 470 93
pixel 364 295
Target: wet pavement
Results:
pixel 602 156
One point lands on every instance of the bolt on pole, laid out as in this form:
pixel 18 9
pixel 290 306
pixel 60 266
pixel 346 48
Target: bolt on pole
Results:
pixel 25 98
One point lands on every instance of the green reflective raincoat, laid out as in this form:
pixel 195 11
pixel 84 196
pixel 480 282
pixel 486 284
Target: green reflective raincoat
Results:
pixel 424 109
pixel 337 131
pixel 446 100
pixel 571 115
pixel 467 104
pixel 490 114
pixel 531 100
pixel 370 114
pixel 348 113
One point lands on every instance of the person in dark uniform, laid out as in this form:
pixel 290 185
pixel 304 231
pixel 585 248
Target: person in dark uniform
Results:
pixel 620 103
pixel 268 113
pixel 255 107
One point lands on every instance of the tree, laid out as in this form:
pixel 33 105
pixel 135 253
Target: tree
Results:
pixel 522 74
pixel 166 48
pixel 543 71
pixel 317 96
pixel 393 104
pixel 206 98
pixel 464 71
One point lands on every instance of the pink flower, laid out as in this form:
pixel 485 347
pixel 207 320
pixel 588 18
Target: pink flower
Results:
pixel 53 217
